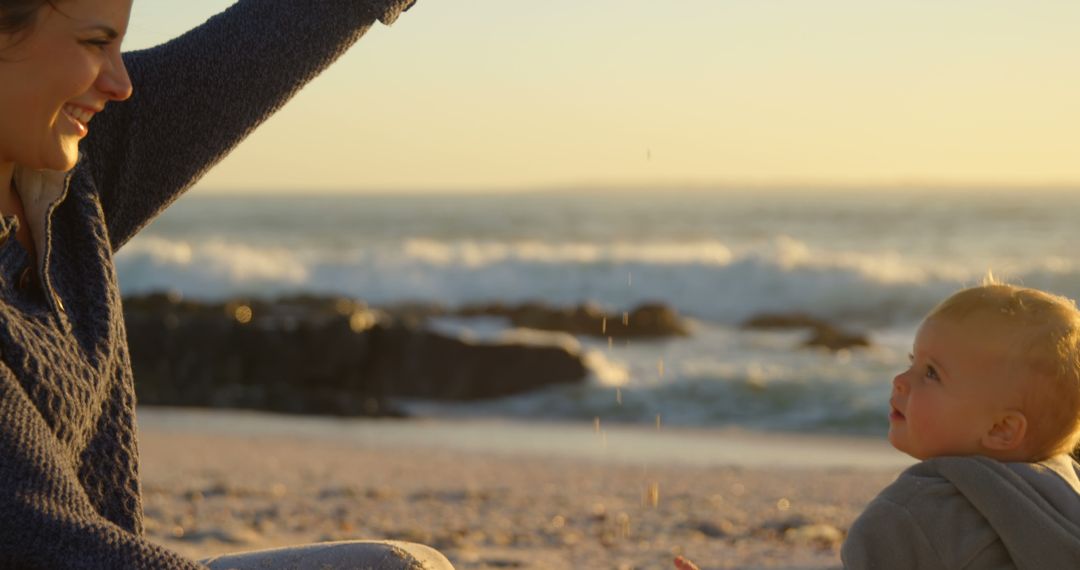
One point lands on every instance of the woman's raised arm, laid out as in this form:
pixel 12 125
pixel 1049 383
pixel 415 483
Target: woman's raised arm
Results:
pixel 197 96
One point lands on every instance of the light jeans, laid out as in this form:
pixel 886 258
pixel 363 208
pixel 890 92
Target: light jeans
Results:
pixel 348 555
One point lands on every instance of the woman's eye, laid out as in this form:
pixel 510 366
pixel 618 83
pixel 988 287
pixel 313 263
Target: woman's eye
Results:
pixel 102 44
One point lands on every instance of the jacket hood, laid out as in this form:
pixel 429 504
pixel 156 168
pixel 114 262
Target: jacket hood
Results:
pixel 1033 507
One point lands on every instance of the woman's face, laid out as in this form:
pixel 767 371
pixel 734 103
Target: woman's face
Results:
pixel 55 80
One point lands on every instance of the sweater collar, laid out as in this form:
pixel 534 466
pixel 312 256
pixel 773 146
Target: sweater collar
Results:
pixel 38 190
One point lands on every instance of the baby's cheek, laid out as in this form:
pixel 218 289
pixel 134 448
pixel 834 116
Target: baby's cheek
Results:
pixel 922 424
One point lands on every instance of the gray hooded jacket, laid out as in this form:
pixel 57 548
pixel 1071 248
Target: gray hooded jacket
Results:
pixel 972 512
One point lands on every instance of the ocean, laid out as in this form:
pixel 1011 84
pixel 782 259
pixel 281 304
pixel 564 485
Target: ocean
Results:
pixel 872 261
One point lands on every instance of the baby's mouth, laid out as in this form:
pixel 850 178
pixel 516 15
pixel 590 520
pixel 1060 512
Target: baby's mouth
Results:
pixel 895 414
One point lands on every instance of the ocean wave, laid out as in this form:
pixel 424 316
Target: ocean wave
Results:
pixel 705 279
pixel 214 269
pixel 720 376
pixel 819 404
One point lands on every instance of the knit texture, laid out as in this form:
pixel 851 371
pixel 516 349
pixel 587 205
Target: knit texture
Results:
pixel 69 487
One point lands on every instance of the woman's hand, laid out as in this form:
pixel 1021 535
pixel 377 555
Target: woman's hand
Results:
pixel 684 564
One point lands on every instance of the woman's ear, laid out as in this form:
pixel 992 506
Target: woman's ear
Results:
pixel 1008 432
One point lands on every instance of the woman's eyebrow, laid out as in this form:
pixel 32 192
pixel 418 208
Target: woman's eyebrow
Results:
pixel 111 33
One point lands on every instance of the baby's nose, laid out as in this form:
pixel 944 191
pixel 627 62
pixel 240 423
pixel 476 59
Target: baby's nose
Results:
pixel 900 383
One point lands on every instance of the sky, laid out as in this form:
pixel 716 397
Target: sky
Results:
pixel 506 95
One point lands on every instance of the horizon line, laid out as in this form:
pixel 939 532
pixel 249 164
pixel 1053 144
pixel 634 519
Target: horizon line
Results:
pixel 676 186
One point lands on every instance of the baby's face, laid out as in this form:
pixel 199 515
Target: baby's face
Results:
pixel 950 397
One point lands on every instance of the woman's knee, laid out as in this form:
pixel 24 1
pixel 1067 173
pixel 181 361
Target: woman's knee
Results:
pixel 349 555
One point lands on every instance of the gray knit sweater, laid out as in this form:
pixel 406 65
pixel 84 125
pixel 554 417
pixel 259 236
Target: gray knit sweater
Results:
pixel 69 488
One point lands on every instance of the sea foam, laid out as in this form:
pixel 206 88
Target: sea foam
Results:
pixel 705 279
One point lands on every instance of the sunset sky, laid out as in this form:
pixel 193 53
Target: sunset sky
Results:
pixel 508 94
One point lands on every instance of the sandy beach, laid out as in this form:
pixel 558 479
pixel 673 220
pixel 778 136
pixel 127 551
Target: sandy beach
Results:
pixel 498 494
pixel 549 488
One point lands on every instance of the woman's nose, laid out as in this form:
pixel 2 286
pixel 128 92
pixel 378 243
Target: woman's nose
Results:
pixel 114 81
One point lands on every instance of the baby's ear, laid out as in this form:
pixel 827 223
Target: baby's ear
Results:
pixel 1008 432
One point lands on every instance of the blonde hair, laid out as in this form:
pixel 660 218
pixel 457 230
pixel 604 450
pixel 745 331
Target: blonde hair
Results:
pixel 1047 335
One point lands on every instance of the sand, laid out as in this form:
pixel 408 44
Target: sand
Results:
pixel 217 482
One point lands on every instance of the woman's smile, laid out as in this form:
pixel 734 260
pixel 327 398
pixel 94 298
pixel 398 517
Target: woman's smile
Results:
pixel 79 117
pixel 55 79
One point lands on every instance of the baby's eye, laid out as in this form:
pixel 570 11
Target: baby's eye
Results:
pixel 931 373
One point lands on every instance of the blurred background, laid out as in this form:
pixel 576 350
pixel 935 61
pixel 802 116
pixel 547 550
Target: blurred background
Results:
pixel 500 95
pixel 854 162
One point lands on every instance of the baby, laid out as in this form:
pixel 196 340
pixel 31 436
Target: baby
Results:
pixel 991 405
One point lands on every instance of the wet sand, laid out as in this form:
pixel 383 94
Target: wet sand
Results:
pixel 496 494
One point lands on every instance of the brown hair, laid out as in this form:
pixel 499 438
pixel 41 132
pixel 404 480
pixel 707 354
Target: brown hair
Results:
pixel 1047 343
pixel 18 17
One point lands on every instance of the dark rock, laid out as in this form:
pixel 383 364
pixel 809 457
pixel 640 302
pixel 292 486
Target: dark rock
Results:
pixel 414 313
pixel 423 364
pixel 651 320
pixel 319 355
pixel 770 321
pixel 835 339
pixel 211 360
pixel 658 318
pixel 822 333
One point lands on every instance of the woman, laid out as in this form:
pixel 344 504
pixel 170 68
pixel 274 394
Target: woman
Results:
pixel 86 161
